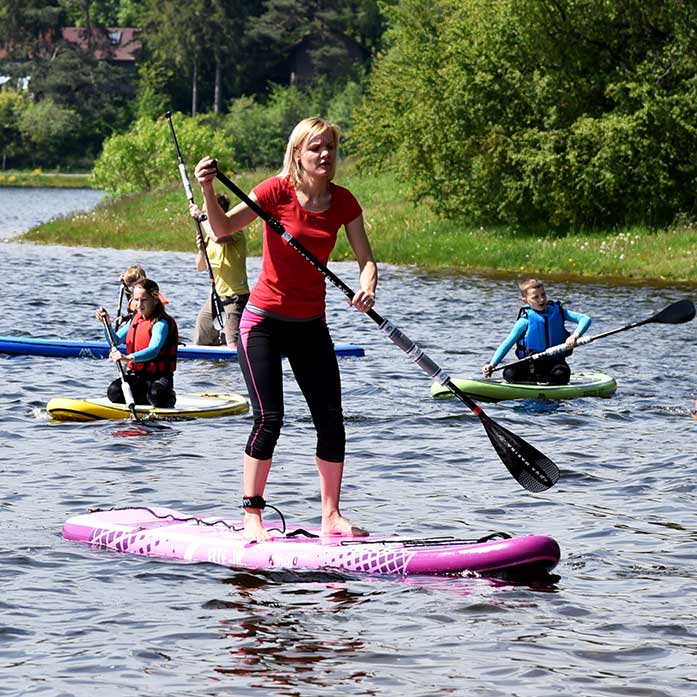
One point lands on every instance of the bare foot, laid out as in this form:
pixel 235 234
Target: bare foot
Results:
pixel 254 529
pixel 338 525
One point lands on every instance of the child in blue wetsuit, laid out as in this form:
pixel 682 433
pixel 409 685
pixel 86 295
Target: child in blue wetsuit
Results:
pixel 540 326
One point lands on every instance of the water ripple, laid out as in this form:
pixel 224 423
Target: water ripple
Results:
pixel 618 618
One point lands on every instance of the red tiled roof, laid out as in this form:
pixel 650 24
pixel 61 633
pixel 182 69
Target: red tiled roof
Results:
pixel 114 43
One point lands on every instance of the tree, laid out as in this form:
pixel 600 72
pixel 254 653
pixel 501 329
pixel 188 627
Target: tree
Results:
pixel 203 42
pixel 49 129
pixel 98 92
pixel 152 98
pixel 334 32
pixel 174 35
pixel 563 112
pixel 12 103
pixel 93 13
pixel 144 158
pixel 27 27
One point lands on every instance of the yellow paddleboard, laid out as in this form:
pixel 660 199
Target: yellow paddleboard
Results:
pixel 188 406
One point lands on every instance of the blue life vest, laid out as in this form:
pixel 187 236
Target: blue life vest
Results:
pixel 545 329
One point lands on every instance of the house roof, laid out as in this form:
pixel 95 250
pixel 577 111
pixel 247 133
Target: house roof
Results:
pixel 112 43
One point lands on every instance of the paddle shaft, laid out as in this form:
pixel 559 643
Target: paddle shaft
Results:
pixel 121 294
pixel 126 388
pixel 528 466
pixel 217 309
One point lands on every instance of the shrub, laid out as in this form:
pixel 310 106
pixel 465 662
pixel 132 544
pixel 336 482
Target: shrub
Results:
pixel 574 113
pixel 144 158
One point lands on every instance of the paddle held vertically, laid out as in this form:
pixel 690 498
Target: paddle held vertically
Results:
pixel 125 386
pixel 217 309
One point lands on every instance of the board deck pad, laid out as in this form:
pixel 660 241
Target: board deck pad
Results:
pixel 156 531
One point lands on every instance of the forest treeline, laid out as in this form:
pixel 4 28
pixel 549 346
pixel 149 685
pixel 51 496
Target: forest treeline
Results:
pixel 560 114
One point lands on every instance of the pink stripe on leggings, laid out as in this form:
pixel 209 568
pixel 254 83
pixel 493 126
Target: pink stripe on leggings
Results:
pixel 248 321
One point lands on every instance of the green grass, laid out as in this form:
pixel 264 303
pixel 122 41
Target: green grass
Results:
pixel 403 233
pixel 37 178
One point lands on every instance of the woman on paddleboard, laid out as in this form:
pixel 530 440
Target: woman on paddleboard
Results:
pixel 151 339
pixel 285 315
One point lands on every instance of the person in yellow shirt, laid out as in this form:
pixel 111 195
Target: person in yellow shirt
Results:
pixel 228 258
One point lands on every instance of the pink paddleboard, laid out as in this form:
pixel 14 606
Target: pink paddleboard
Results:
pixel 161 532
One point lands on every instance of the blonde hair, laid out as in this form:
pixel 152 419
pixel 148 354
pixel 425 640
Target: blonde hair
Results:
pixel 529 283
pixel 133 274
pixel 302 133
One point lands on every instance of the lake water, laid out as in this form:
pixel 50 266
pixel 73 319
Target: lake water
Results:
pixel 620 618
pixel 22 209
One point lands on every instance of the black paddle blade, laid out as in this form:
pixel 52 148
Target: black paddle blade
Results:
pixel 529 467
pixel 150 425
pixel 677 313
pixel 145 425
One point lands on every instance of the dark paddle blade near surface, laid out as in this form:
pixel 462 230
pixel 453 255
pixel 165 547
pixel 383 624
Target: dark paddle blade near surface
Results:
pixel 532 469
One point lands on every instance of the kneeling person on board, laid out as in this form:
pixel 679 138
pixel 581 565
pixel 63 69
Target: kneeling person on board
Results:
pixel 151 339
pixel 228 259
pixel 540 325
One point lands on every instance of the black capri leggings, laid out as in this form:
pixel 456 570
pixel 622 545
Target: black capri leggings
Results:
pixel 156 391
pixel 310 351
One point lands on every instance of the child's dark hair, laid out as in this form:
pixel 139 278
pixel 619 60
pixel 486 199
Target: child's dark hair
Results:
pixel 150 286
pixel 223 201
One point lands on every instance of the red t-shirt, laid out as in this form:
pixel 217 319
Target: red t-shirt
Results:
pixel 288 284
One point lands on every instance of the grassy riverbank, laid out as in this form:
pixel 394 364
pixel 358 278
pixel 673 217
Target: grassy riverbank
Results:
pixel 402 233
pixel 38 178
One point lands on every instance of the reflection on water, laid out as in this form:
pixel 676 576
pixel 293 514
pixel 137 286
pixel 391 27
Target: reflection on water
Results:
pixel 618 618
pixel 285 648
